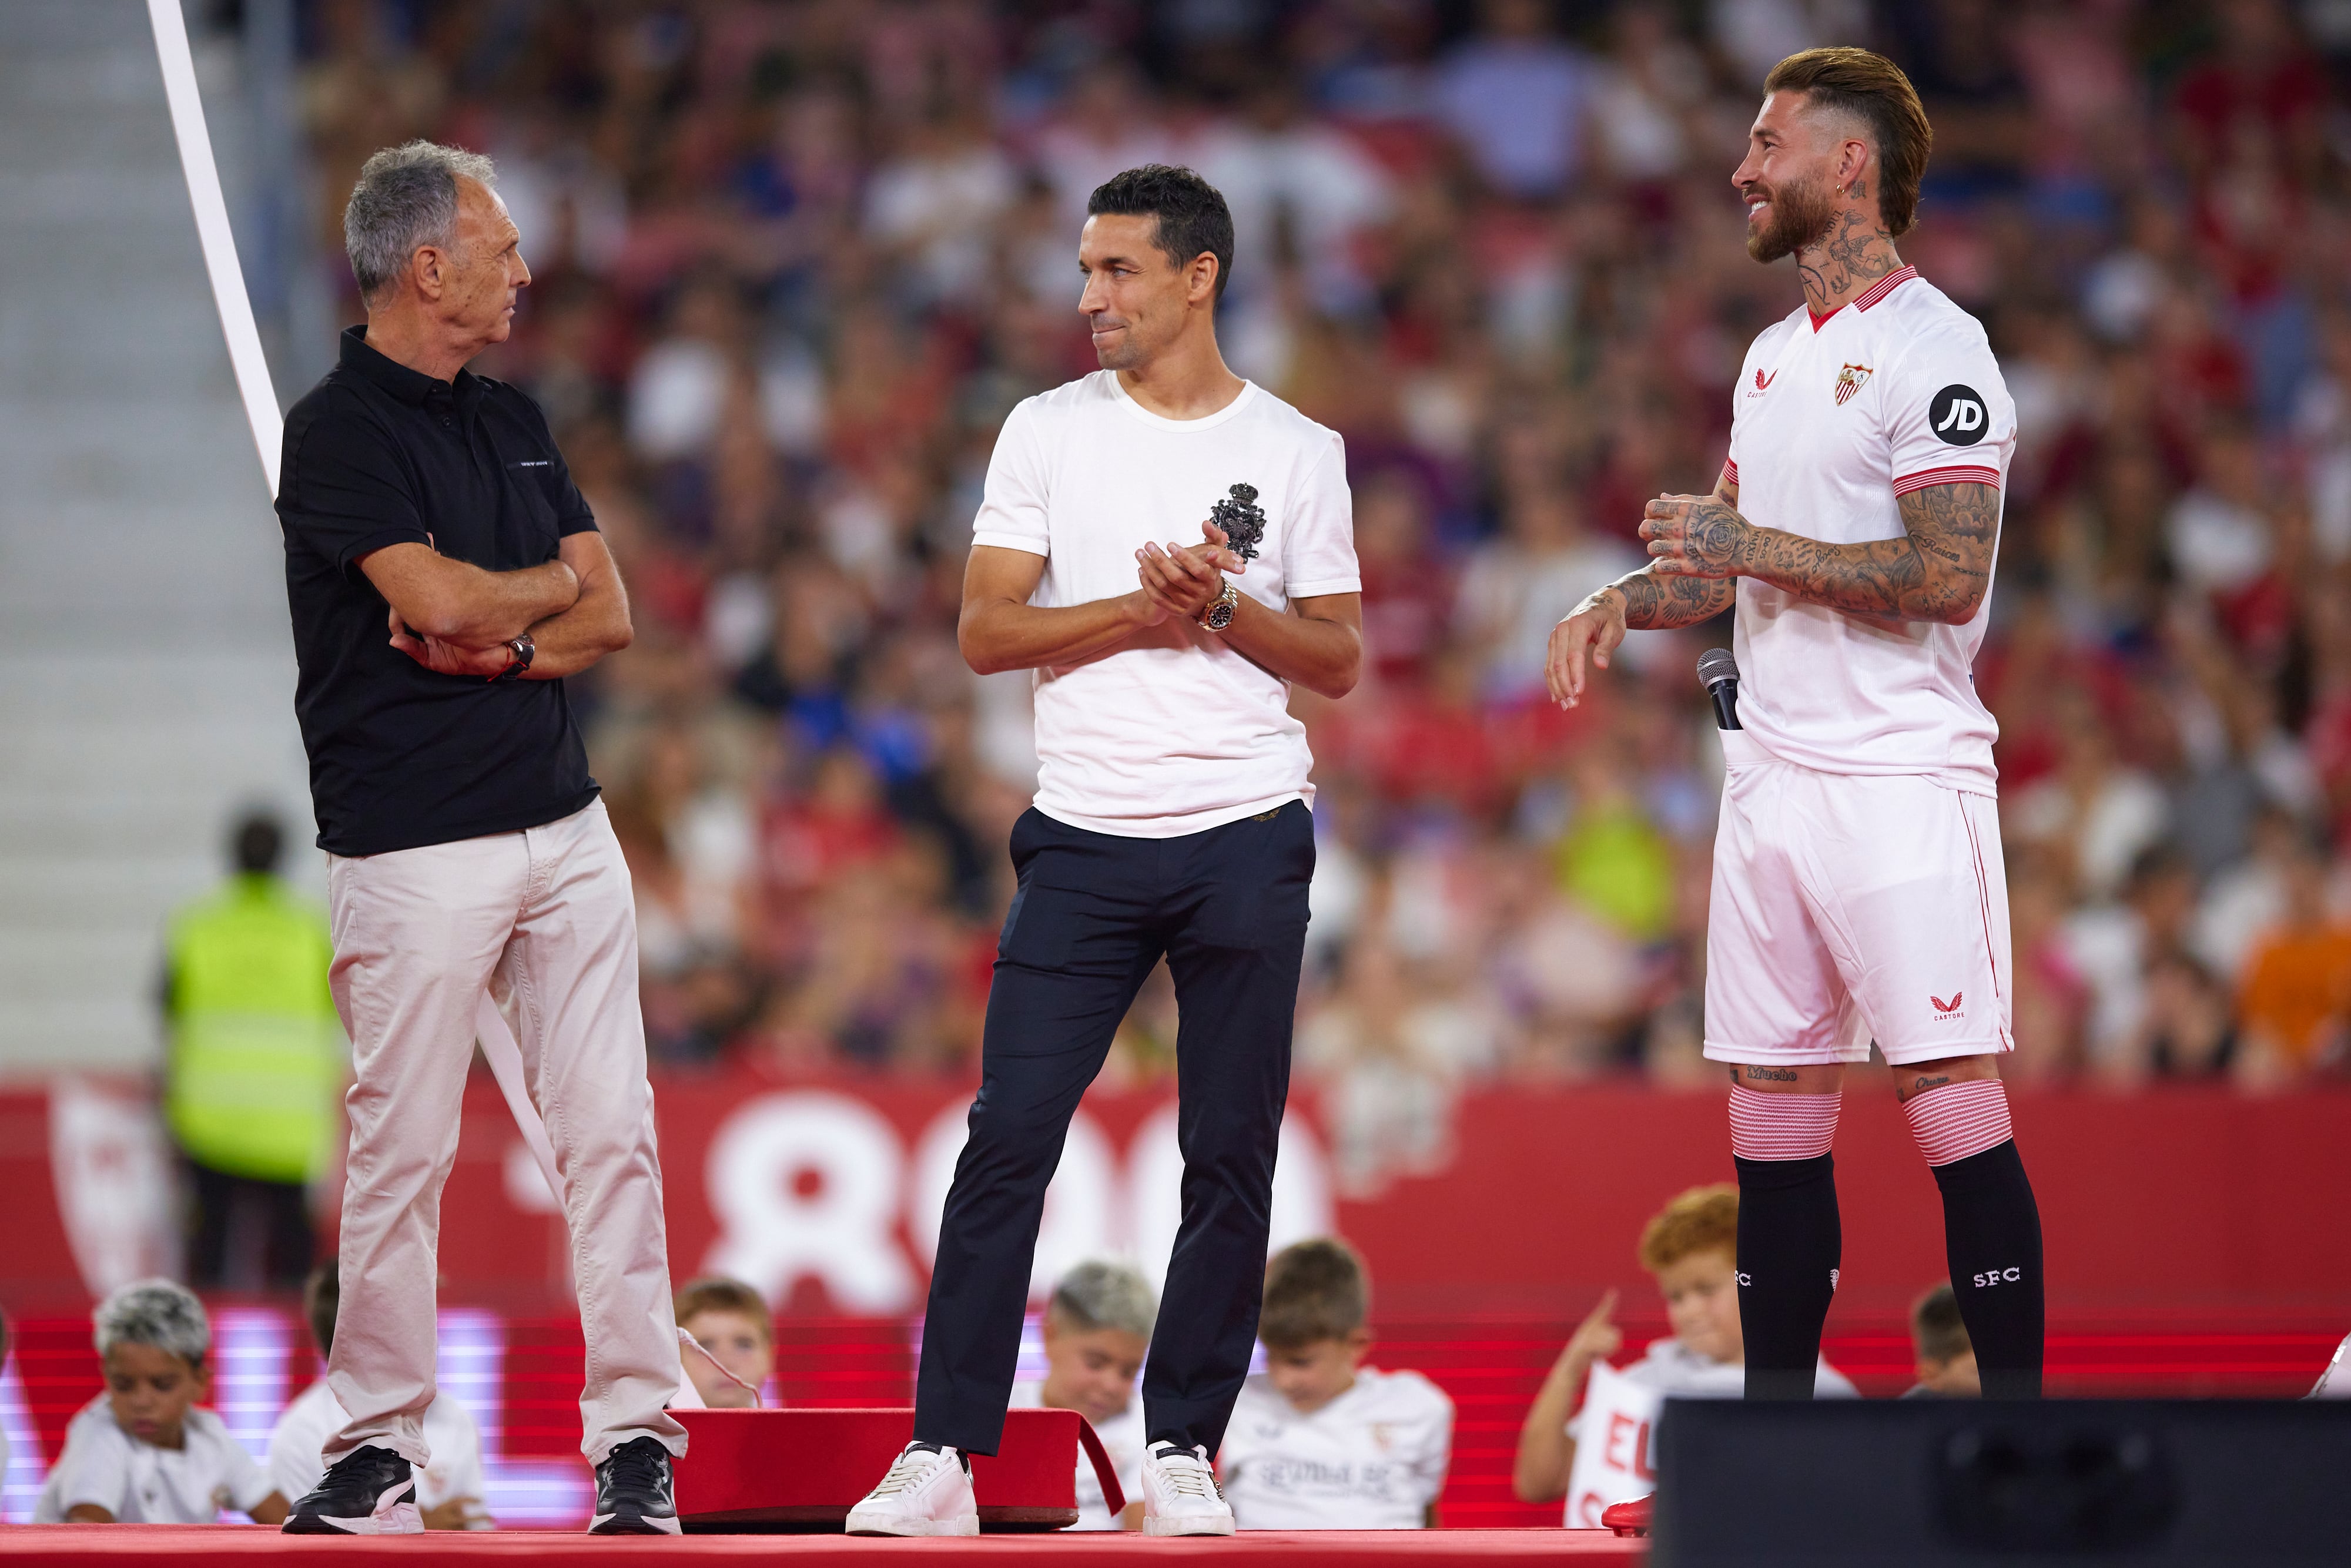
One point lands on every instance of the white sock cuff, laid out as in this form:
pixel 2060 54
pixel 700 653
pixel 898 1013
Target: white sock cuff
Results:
pixel 1781 1126
pixel 1957 1120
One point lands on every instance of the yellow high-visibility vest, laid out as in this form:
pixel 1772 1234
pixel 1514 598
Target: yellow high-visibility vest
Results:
pixel 256 1060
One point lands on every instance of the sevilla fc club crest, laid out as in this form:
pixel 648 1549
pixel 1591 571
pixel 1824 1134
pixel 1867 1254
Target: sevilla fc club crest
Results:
pixel 1849 381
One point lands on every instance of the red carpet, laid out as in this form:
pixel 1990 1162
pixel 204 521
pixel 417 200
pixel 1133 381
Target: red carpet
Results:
pixel 239 1547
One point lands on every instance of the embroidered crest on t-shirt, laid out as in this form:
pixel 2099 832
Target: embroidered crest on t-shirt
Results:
pixel 1242 520
pixel 1849 381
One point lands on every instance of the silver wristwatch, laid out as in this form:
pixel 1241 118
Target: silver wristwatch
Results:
pixel 1220 612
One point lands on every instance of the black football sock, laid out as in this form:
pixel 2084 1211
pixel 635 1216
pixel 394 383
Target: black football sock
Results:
pixel 1991 1235
pixel 1789 1244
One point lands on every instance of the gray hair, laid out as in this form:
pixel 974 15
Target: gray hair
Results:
pixel 1103 1295
pixel 158 1312
pixel 406 197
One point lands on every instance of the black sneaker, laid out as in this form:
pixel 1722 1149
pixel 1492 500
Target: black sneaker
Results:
pixel 633 1491
pixel 368 1492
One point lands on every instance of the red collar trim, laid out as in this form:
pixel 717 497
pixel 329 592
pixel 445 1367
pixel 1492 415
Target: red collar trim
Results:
pixel 1877 291
pixel 1885 286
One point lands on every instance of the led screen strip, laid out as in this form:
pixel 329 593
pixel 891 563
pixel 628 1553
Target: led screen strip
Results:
pixel 499 1048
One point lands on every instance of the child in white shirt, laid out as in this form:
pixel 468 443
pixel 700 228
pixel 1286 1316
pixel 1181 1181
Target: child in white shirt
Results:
pixel 1318 1440
pixel 731 1323
pixel 1691 1245
pixel 1097 1328
pixel 141 1452
pixel 449 1486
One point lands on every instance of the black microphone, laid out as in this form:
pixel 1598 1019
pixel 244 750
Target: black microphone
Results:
pixel 1719 673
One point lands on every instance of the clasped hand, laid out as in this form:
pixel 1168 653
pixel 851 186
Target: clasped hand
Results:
pixel 1183 581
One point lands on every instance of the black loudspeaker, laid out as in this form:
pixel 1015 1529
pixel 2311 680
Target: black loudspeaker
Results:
pixel 1923 1483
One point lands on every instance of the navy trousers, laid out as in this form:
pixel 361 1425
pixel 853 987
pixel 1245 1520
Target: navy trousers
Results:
pixel 1093 915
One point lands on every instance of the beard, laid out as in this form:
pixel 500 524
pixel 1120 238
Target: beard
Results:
pixel 1801 215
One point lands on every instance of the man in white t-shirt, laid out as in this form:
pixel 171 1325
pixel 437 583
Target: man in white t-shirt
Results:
pixel 1097 1331
pixel 1170 818
pixel 1318 1440
pixel 1858 893
pixel 449 1484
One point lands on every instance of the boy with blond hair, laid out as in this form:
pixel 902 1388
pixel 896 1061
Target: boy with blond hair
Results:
pixel 729 1322
pixel 1318 1440
pixel 1691 1246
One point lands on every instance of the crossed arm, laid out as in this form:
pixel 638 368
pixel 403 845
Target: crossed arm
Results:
pixel 1699 546
pixel 456 618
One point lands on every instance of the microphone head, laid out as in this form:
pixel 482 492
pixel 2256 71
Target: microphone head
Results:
pixel 1715 667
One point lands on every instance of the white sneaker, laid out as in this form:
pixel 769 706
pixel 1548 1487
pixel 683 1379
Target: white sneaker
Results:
pixel 1180 1494
pixel 927 1492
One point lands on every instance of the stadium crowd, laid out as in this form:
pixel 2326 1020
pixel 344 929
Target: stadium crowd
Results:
pixel 794 262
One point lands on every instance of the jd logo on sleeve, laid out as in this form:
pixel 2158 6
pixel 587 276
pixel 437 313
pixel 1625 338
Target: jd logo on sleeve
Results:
pixel 1957 415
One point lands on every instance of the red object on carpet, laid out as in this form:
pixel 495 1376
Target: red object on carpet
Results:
pixel 762 1468
pixel 246 1545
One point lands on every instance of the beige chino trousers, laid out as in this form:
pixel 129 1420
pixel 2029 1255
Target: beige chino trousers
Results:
pixel 546 920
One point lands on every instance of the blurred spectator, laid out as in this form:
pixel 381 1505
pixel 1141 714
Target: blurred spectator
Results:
pixel 254 1067
pixel 2295 1002
pixel 1938 1338
pixel 796 264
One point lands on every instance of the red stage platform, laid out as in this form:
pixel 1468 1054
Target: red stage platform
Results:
pixel 248 1546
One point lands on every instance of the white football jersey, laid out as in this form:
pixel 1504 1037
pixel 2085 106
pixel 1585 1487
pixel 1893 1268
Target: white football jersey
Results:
pixel 1373 1458
pixel 1121 1439
pixel 1678 1372
pixel 139 1483
pixel 1832 421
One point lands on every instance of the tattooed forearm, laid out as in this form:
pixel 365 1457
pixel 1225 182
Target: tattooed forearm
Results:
pixel 1937 570
pixel 1654 603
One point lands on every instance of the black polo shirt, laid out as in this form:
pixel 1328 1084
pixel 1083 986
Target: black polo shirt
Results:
pixel 378 455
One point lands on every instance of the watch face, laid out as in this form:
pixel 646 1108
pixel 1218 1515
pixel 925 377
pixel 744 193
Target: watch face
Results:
pixel 1220 615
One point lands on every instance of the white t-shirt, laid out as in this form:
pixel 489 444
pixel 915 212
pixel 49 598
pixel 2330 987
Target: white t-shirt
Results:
pixel 1831 425
pixel 1121 1439
pixel 139 1483
pixel 1373 1458
pixel 1678 1372
pixel 1171 732
pixel 297 1442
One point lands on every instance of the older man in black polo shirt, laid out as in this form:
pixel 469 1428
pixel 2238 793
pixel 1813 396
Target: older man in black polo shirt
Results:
pixel 445 576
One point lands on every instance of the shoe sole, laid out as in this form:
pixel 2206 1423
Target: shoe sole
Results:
pixel 331 1524
pixel 887 1524
pixel 1155 1526
pixel 638 1524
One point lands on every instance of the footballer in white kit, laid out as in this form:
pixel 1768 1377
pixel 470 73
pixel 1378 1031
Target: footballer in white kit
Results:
pixel 1858 895
pixel 1373 1458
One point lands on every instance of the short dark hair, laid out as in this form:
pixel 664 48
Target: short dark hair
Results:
pixel 1192 214
pixel 257 843
pixel 1936 1326
pixel 1873 89
pixel 322 1293
pixel 1314 1291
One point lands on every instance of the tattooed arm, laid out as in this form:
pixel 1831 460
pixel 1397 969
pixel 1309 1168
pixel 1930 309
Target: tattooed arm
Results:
pixel 1643 601
pixel 1937 570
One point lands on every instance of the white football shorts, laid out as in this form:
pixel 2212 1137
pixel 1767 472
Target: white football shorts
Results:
pixel 1849 908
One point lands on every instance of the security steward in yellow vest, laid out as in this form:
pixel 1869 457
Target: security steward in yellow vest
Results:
pixel 254 1068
